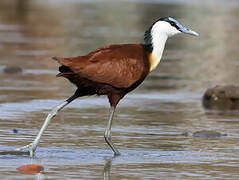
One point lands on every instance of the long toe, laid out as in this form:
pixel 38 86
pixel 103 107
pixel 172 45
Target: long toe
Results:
pixel 22 148
pixel 30 147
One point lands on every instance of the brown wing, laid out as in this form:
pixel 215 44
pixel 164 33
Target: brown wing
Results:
pixel 118 65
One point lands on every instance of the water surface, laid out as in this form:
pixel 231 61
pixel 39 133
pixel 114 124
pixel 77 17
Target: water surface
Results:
pixel 150 123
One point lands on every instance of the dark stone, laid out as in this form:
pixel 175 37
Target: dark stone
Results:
pixel 15 131
pixel 12 70
pixel 221 97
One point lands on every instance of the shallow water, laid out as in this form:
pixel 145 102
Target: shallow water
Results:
pixel 150 123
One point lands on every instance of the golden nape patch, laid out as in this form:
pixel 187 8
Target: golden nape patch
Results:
pixel 153 61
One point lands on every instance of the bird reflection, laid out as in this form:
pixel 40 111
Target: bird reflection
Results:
pixel 107 168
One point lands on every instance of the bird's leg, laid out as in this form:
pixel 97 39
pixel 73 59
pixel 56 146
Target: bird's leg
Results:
pixel 107 134
pixel 32 146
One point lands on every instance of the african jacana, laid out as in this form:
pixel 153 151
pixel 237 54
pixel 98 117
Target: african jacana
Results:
pixel 114 70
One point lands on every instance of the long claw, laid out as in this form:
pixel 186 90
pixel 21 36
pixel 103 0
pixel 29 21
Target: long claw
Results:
pixel 22 148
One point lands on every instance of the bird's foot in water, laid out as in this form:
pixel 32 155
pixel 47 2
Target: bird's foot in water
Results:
pixel 30 147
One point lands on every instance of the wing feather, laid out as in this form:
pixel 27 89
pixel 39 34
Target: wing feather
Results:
pixel 118 65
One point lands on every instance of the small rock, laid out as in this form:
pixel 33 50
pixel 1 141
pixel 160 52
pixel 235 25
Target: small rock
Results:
pixel 221 97
pixel 12 70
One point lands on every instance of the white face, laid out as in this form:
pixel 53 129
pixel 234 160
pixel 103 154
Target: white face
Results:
pixel 164 28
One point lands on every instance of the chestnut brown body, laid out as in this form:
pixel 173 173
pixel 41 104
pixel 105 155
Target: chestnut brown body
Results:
pixel 112 70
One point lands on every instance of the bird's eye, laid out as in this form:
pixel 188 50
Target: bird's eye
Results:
pixel 172 23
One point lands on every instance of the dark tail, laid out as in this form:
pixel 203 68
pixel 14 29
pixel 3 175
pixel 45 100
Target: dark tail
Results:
pixel 64 71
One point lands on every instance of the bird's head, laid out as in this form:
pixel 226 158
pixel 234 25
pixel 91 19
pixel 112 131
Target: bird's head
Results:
pixel 164 28
pixel 170 27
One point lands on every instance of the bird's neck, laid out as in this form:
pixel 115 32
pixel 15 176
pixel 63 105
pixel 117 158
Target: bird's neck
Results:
pixel 158 43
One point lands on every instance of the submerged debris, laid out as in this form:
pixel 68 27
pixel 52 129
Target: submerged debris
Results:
pixel 204 133
pixel 12 70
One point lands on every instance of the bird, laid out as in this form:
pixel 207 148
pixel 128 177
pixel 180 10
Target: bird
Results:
pixel 113 70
